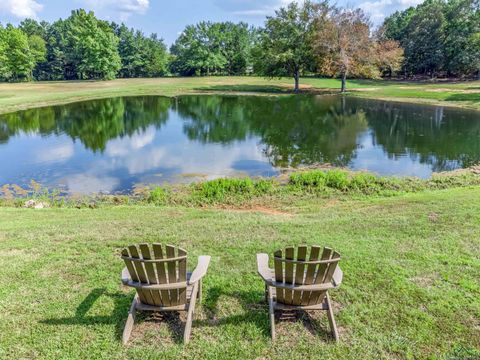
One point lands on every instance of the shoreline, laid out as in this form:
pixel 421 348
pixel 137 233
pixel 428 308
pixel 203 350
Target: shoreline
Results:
pixel 26 96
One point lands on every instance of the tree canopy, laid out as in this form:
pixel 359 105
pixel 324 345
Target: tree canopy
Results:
pixel 208 48
pixel 438 36
pixel 285 44
pixel 308 38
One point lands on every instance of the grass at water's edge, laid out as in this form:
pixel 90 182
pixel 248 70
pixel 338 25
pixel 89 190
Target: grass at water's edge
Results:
pixel 320 183
pixel 411 287
pixel 23 96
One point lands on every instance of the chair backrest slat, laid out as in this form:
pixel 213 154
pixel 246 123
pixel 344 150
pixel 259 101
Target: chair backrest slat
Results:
pixel 142 276
pixel 317 296
pixel 310 274
pixel 146 265
pixel 300 271
pixel 129 265
pixel 172 275
pixel 331 267
pixel 289 254
pixel 151 276
pixel 314 253
pixel 278 266
pixel 182 275
pixel 161 274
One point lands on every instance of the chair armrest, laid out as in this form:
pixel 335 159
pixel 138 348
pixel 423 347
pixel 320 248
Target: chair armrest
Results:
pixel 262 267
pixel 201 269
pixel 337 276
pixel 125 276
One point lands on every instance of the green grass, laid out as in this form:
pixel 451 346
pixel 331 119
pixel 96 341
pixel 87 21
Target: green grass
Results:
pixel 27 95
pixel 411 278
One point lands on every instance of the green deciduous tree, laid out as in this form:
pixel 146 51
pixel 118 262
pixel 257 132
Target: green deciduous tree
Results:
pixel 18 60
pixel 213 49
pixel 93 47
pixel 462 50
pixel 438 36
pixel 141 56
pixel 285 44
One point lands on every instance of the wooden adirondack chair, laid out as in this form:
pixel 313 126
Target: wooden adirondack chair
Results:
pixel 296 283
pixel 162 283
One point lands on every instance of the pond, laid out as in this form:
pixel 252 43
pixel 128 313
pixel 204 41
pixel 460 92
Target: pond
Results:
pixel 109 145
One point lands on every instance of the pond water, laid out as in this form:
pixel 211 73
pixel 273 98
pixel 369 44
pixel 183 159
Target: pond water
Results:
pixel 109 145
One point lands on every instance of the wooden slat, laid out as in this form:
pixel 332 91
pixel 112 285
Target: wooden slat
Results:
pixel 161 275
pixel 278 266
pixel 289 254
pixel 182 276
pixel 142 277
pixel 317 296
pixel 309 276
pixel 150 270
pixel 172 274
pixel 331 268
pixel 133 274
pixel 129 265
pixel 299 273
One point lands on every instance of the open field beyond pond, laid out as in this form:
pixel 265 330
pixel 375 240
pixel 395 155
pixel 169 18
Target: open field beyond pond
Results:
pixel 411 286
pixel 27 95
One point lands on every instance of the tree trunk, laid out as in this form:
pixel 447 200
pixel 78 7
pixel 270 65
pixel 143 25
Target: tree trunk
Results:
pixel 344 81
pixel 296 75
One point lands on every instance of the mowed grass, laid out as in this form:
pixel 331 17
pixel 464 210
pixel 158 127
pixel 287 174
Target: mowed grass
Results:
pixel 27 95
pixel 411 279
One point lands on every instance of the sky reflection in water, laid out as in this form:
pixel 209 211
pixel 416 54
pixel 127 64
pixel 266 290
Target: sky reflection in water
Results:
pixel 109 145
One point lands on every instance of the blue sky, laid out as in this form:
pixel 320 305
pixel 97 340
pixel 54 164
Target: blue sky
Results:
pixel 167 18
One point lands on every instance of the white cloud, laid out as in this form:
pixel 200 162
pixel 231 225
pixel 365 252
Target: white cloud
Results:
pixel 90 183
pixel 380 9
pixel 120 8
pixel 57 153
pixel 21 8
pixel 251 7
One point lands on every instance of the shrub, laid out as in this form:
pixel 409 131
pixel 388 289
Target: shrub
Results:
pixel 337 179
pixel 219 189
pixel 263 186
pixel 157 196
pixel 313 179
pixel 364 182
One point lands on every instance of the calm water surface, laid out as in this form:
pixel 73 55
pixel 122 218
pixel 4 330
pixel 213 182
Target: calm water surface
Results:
pixel 110 145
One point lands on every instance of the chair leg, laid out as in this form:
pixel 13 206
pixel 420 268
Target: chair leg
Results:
pixel 127 331
pixel 191 309
pixel 331 319
pixel 271 313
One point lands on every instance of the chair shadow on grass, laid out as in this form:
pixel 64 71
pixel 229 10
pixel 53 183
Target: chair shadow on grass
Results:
pixel 117 317
pixel 255 311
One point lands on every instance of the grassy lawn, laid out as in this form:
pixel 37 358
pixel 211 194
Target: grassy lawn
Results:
pixel 411 286
pixel 26 95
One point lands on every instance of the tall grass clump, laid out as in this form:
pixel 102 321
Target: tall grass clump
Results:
pixel 223 189
pixel 337 179
pixel 311 179
pixel 157 196
pixel 320 180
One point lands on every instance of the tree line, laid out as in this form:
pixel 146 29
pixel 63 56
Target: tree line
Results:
pixel 438 37
pixel 310 38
